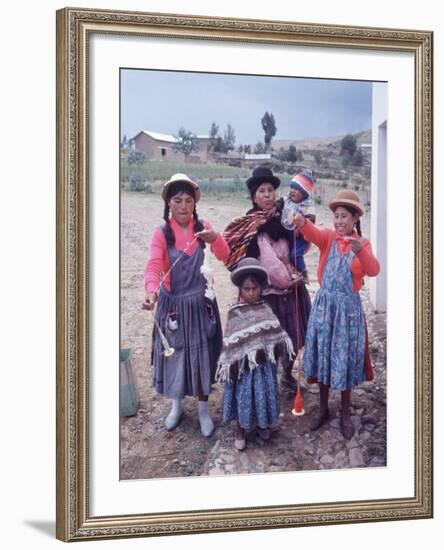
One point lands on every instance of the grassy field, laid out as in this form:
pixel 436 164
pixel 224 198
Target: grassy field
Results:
pixel 217 179
pixel 154 171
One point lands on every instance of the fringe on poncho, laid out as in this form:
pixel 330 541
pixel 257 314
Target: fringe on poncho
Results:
pixel 250 328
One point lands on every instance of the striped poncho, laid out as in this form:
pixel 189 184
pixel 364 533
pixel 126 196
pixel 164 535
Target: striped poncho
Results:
pixel 250 328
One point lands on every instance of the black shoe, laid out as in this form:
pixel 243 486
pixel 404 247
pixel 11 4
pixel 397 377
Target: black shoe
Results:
pixel 319 420
pixel 347 430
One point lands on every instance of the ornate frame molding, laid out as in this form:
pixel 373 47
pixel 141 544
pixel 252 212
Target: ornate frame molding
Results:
pixel 73 27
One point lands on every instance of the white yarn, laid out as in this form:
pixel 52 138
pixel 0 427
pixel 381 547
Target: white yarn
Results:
pixel 207 272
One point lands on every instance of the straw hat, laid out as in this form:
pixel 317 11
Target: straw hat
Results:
pixel 249 266
pixel 181 178
pixel 346 197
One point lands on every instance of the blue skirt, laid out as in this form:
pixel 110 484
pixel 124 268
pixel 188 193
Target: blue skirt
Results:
pixel 253 399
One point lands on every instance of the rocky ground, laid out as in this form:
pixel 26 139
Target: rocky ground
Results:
pixel 149 451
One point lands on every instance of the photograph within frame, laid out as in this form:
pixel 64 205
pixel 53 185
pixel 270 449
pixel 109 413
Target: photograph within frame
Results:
pixel 170 100
pixel 74 520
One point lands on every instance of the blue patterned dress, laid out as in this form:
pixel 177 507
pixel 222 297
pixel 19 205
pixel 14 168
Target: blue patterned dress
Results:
pixel 335 341
pixel 253 400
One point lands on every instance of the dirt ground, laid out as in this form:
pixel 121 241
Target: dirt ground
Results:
pixel 149 451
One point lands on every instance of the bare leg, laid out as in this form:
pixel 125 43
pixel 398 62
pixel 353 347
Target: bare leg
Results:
pixel 240 439
pixel 324 413
pixel 347 428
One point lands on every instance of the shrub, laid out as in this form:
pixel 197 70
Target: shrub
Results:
pixel 137 183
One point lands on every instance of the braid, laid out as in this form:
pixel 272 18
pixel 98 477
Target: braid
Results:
pixel 358 227
pixel 169 234
pixel 198 226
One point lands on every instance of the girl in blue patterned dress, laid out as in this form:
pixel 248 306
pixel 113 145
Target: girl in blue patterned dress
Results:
pixel 336 346
pixel 247 363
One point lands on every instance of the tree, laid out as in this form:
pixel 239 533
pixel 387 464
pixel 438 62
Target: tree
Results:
pixel 186 143
pixel 214 134
pixel 318 157
pixel 247 149
pixel 260 148
pixel 348 149
pixel 292 154
pixel 358 158
pixel 124 143
pixel 136 157
pixel 229 138
pixel 269 127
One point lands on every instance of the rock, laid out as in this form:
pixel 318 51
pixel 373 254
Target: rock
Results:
pixel 244 460
pixel 326 460
pixel 356 458
pixel 227 458
pixel 215 447
pixel 216 472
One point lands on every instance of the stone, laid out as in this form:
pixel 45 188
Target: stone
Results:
pixel 215 447
pixel 244 460
pixel 326 460
pixel 216 472
pixel 356 458
pixel 227 458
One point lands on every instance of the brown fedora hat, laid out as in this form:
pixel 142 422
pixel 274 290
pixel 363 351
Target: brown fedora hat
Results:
pixel 183 178
pixel 346 197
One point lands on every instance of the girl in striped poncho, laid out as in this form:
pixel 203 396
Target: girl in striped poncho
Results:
pixel 247 363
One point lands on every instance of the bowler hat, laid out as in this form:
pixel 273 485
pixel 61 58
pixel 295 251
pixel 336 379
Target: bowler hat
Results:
pixel 346 197
pixel 249 266
pixel 183 178
pixel 262 174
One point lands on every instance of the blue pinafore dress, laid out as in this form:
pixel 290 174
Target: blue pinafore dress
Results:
pixel 191 323
pixel 335 340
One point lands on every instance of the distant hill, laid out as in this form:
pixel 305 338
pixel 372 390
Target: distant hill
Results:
pixel 318 142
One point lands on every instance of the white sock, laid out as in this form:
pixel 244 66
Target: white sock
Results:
pixel 173 418
pixel 206 424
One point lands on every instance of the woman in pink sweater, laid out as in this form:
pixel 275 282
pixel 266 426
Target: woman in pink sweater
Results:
pixel 336 347
pixel 189 320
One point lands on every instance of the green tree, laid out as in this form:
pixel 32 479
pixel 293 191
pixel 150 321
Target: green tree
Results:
pixel 318 157
pixel 229 138
pixel 348 149
pixel 292 154
pixel 259 148
pixel 358 158
pixel 214 134
pixel 136 157
pixel 186 143
pixel 269 127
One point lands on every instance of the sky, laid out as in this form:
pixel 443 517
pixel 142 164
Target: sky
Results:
pixel 163 101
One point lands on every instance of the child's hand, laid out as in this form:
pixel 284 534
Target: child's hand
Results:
pixel 355 245
pixel 150 301
pixel 299 220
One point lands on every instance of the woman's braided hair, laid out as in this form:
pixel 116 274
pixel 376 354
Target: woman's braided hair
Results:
pixel 175 189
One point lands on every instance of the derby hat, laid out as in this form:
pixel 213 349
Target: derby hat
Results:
pixel 260 175
pixel 346 197
pixel 182 178
pixel 249 266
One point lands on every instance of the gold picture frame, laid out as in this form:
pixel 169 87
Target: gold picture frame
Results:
pixel 74 29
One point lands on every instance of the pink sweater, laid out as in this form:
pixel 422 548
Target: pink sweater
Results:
pixel 158 262
pixel 364 263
